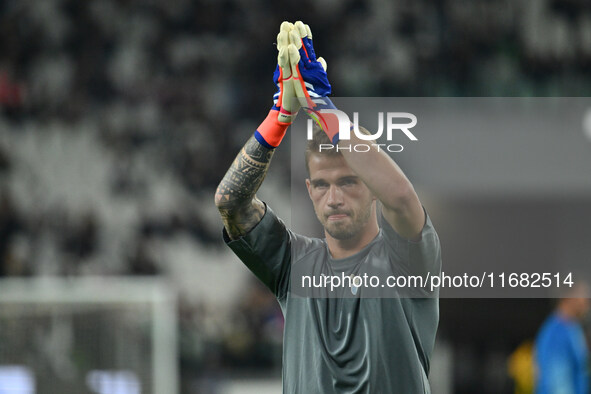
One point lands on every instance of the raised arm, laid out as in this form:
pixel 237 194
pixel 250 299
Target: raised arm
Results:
pixel 235 196
pixel 401 205
pixel 402 208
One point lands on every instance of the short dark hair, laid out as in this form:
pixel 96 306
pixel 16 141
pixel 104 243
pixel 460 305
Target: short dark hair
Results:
pixel 319 137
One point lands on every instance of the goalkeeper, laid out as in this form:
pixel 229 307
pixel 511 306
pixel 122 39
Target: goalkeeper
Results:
pixel 350 344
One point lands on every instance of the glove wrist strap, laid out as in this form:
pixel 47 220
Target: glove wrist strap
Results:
pixel 271 131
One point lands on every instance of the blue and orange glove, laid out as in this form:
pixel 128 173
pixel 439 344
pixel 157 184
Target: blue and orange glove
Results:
pixel 285 105
pixel 311 83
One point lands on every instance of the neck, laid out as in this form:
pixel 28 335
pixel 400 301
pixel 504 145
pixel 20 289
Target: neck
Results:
pixel 341 248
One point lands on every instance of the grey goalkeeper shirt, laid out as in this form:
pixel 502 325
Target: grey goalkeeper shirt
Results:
pixel 345 341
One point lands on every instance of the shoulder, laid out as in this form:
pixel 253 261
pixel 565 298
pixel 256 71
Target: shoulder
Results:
pixel 272 233
pixel 414 256
pixel 553 329
pixel 428 233
pixel 303 246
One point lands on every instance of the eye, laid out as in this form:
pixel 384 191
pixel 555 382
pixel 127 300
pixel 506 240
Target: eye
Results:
pixel 348 182
pixel 320 185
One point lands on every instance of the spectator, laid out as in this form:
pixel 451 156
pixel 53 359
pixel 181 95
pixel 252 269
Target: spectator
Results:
pixel 561 349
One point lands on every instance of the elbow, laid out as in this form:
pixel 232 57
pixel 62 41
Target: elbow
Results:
pixel 222 201
pixel 227 205
pixel 403 197
pixel 407 195
pixel 218 200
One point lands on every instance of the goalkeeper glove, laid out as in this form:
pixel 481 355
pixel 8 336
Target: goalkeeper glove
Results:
pixel 311 83
pixel 285 106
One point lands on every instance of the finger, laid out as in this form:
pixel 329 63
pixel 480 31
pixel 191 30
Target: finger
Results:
pixel 294 38
pixel 308 32
pixel 302 32
pixel 323 63
pixel 296 41
pixel 284 63
pixel 307 41
pixel 294 55
pixel 301 29
pixel 282 40
pixel 286 26
pixel 284 72
pixel 289 104
pixel 298 82
pixel 307 50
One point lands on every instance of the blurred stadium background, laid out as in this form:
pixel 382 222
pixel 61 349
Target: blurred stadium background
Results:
pixel 119 117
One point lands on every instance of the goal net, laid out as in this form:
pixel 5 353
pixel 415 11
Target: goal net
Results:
pixel 87 335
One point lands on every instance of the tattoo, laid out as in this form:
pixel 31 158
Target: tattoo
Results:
pixel 235 195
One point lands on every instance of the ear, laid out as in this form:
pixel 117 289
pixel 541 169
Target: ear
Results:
pixel 309 187
pixel 373 196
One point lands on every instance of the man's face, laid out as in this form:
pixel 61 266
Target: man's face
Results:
pixel 578 301
pixel 342 202
pixel 581 300
pixel 583 307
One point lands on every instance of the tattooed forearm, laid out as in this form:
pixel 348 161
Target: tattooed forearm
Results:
pixel 245 175
pixel 235 195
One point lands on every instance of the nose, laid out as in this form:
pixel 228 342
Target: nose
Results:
pixel 335 197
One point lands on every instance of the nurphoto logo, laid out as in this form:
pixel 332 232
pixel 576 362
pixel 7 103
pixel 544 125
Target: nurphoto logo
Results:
pixel 326 118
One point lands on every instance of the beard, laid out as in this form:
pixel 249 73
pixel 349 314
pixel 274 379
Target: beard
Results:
pixel 348 227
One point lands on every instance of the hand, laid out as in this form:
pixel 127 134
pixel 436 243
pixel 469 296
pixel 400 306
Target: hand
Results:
pixel 309 73
pixel 285 98
pixel 311 84
pixel 285 105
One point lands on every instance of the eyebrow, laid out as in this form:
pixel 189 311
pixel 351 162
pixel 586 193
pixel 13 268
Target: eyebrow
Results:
pixel 349 178
pixel 316 182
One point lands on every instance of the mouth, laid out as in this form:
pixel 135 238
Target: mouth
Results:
pixel 337 216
